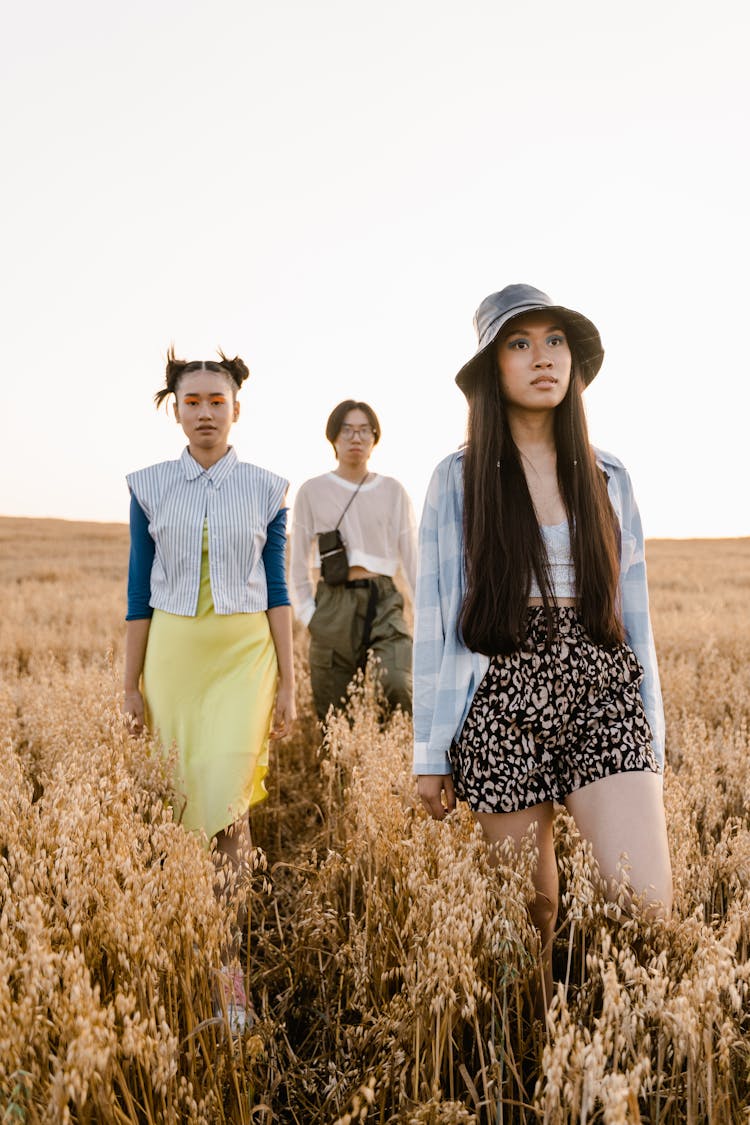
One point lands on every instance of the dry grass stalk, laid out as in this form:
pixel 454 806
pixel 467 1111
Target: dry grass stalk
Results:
pixel 389 965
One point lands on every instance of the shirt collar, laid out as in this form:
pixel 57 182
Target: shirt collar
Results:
pixel 218 473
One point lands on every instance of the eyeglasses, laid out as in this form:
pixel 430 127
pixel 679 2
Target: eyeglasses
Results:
pixel 365 432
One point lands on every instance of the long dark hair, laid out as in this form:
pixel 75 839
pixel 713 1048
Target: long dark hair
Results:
pixel 503 544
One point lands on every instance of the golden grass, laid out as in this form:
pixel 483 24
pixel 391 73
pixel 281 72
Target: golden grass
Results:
pixel 389 965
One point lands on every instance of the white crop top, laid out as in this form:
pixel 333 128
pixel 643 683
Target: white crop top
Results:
pixel 377 528
pixel 561 566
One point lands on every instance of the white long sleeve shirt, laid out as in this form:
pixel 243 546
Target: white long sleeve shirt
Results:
pixel 378 530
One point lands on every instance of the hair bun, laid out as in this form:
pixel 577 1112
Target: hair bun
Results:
pixel 174 370
pixel 236 367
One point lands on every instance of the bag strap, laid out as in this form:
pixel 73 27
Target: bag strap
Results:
pixel 372 605
pixel 351 500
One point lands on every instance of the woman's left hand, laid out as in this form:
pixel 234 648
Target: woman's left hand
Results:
pixel 284 713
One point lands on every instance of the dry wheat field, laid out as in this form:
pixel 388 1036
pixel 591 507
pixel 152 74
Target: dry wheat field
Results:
pixel 390 968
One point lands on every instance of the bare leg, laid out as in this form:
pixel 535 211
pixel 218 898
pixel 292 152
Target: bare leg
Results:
pixel 497 828
pixel 235 841
pixel 623 814
pixel 233 845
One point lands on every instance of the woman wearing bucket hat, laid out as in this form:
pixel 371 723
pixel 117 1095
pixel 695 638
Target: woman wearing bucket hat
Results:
pixel 535 675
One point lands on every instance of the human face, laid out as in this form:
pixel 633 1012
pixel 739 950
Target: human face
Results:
pixel 206 408
pixel 534 362
pixel 355 440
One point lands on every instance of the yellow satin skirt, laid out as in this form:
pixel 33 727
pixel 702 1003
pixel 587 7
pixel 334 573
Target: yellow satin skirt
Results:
pixel 209 685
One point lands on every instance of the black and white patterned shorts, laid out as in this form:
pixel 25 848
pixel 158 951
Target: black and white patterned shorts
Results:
pixel 547 721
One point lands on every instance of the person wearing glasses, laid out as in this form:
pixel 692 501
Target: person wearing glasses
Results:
pixel 208 661
pixel 362 525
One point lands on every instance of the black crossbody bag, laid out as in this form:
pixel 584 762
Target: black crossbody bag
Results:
pixel 334 564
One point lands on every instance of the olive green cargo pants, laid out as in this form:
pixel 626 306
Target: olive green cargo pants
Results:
pixel 338 645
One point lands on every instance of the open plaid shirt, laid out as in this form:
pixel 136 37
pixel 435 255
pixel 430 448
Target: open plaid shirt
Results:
pixel 446 673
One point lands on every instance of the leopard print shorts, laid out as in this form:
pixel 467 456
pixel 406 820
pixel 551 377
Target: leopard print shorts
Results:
pixel 547 721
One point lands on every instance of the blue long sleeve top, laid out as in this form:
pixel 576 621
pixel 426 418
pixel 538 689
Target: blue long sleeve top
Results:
pixel 143 548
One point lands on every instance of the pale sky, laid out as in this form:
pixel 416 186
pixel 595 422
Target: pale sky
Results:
pixel 329 188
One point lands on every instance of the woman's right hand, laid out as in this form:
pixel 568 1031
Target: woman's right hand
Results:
pixel 431 788
pixel 133 711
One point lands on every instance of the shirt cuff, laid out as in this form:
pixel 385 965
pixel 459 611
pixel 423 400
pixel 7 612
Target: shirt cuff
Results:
pixel 305 612
pixel 430 761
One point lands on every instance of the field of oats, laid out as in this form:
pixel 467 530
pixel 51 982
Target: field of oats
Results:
pixel 390 968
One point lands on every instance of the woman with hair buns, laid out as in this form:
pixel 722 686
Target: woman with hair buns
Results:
pixel 208 663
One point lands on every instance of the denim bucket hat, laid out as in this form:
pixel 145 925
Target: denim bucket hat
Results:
pixel 497 310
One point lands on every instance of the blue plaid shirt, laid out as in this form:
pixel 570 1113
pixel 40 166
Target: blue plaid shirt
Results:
pixel 446 673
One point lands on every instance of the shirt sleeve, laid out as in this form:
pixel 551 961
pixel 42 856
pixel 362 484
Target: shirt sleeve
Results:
pixel 407 541
pixel 274 561
pixel 636 617
pixel 429 637
pixel 302 593
pixel 142 551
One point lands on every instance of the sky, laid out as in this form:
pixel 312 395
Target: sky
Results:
pixel 330 188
